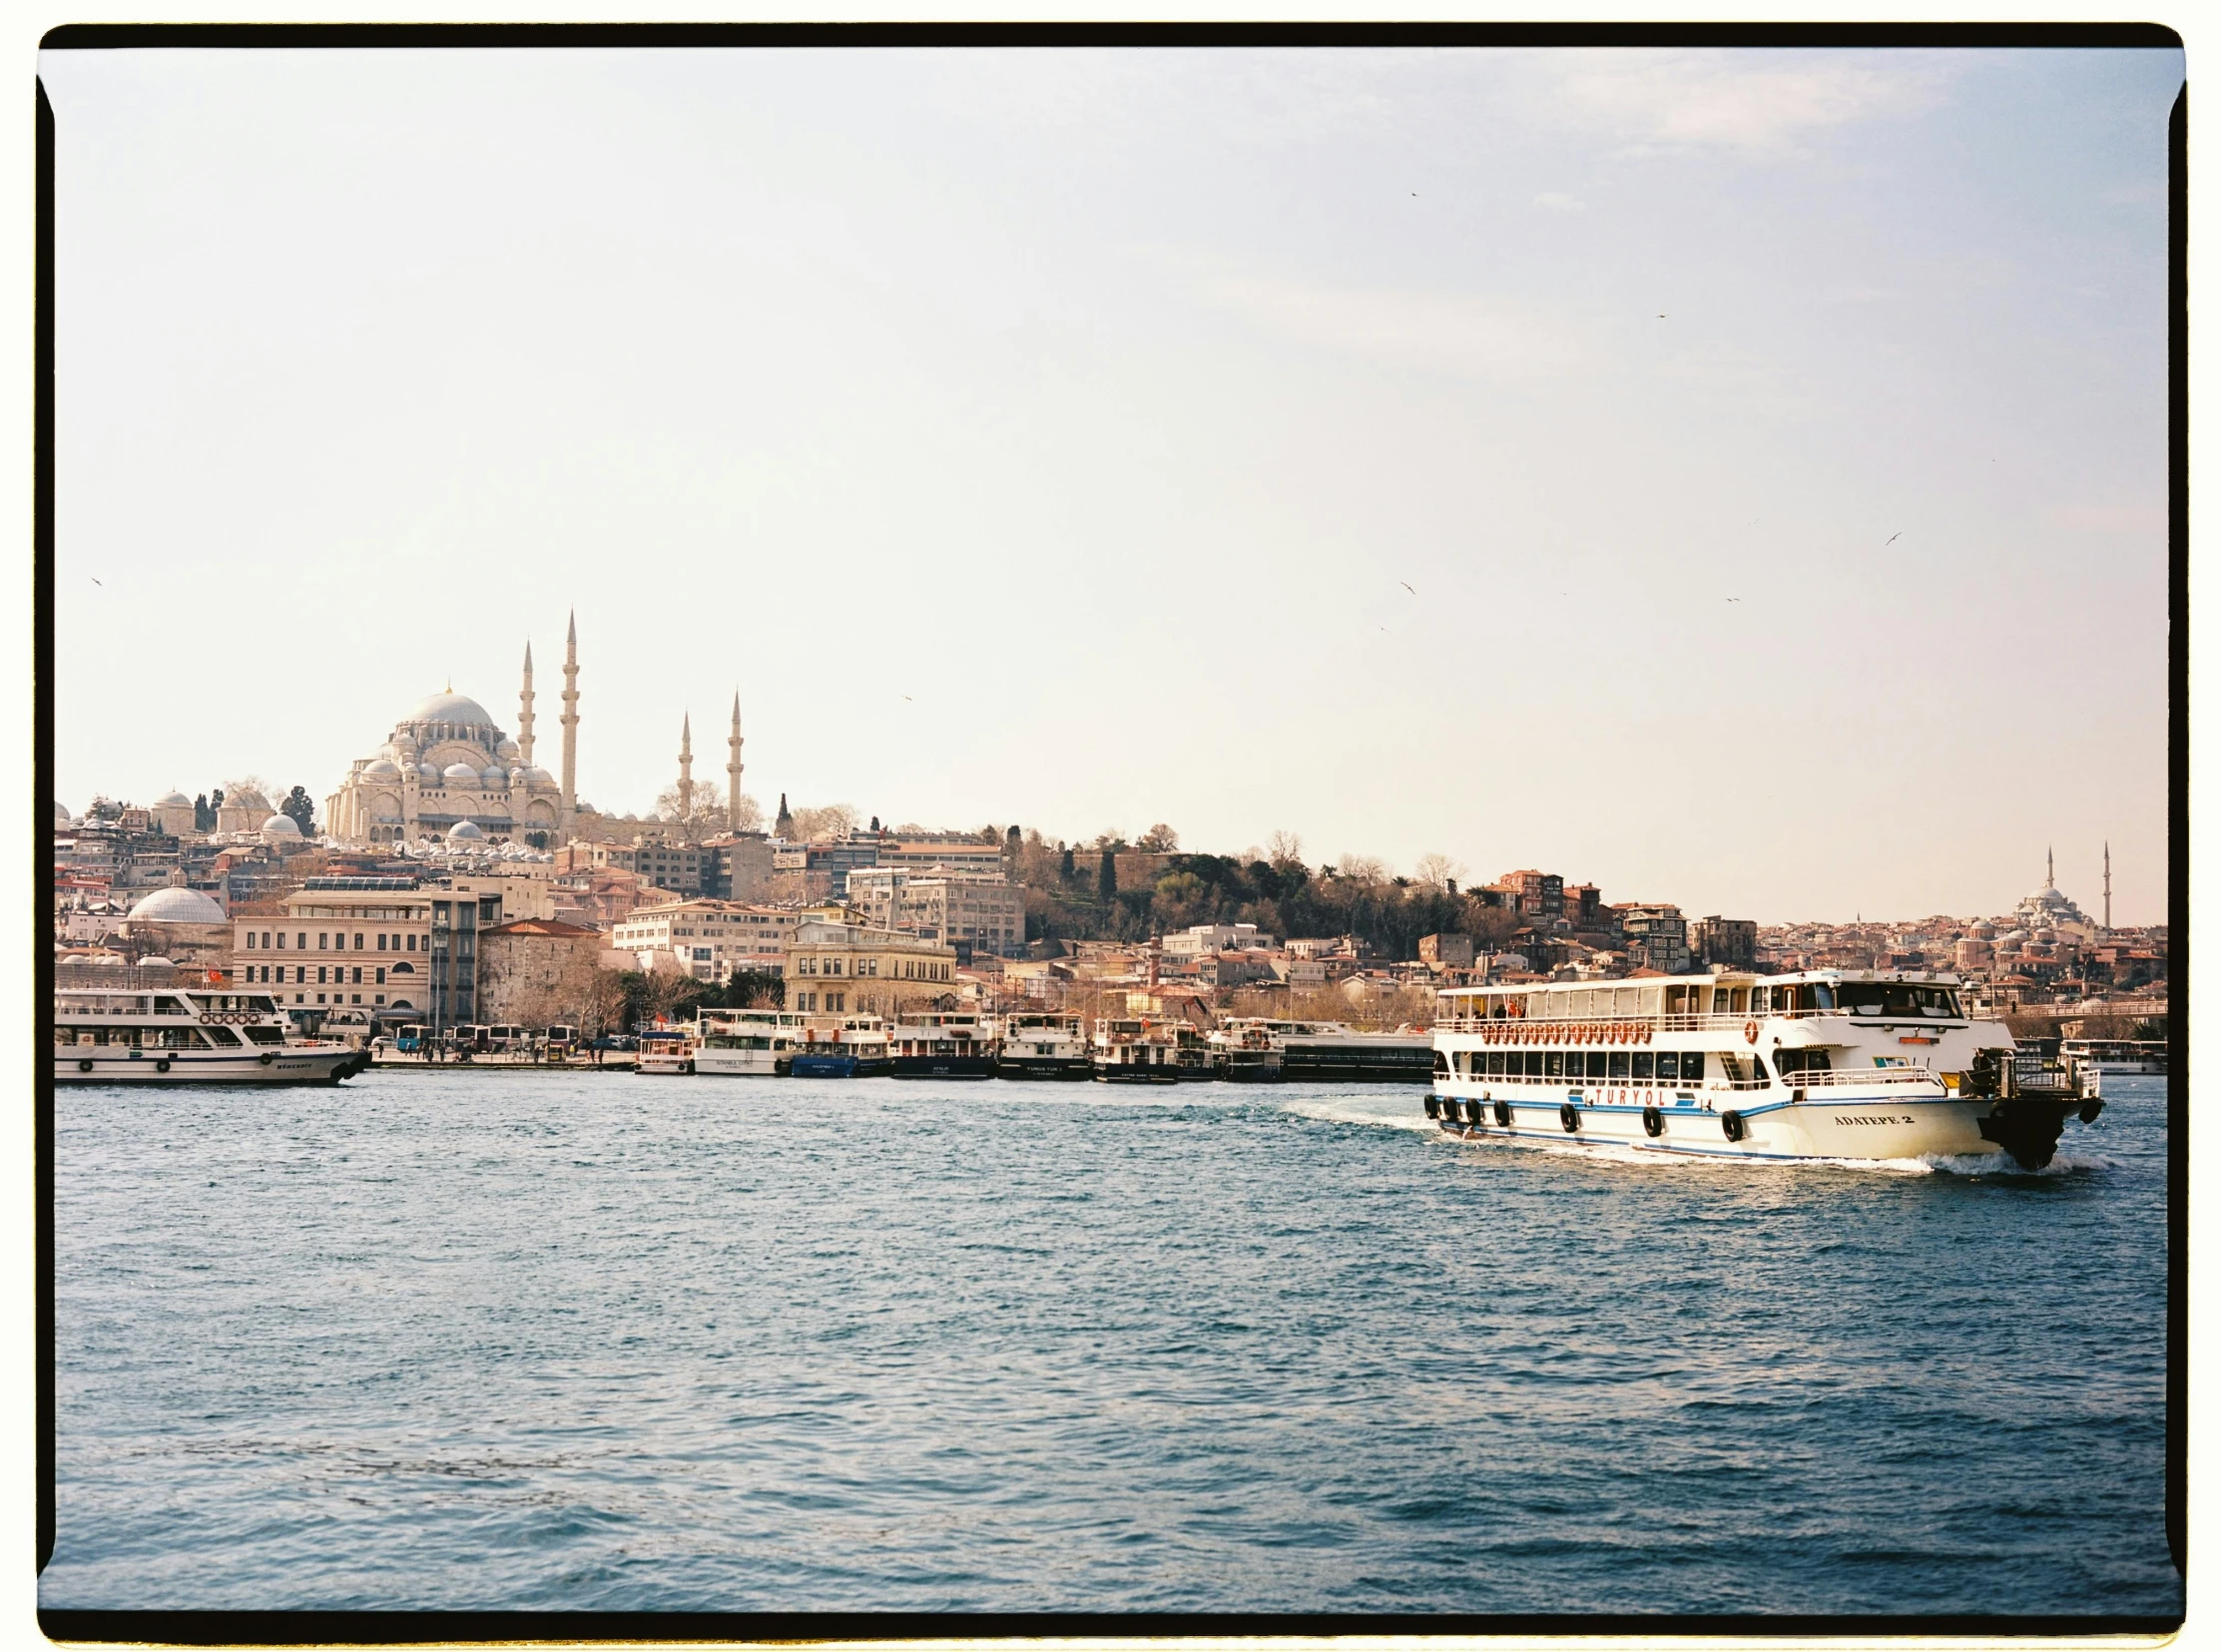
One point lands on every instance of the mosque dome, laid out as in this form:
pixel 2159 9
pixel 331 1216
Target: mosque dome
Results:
pixel 62 815
pixel 154 960
pixel 520 776
pixel 427 773
pixel 461 774
pixel 507 750
pixel 249 798
pixel 176 800
pixel 464 832
pixel 458 709
pixel 382 768
pixel 177 905
pixel 537 776
pixel 280 828
pixel 493 776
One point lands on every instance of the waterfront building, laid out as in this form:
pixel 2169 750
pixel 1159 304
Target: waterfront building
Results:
pixel 1453 952
pixel 837 966
pixel 737 865
pixel 1658 937
pixel 528 967
pixel 1205 940
pixel 819 871
pixel 709 939
pixel 980 909
pixel 1728 941
pixel 364 942
pixel 1533 894
pixel 668 863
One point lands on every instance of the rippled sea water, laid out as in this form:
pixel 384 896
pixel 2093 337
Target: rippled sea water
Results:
pixel 532 1342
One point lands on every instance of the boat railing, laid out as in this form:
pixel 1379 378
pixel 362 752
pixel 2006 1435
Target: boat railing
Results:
pixel 1587 1027
pixel 1832 1078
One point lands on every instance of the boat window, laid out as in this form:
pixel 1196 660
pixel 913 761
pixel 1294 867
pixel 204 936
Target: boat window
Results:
pixel 1616 1065
pixel 1640 1066
pixel 1535 1063
pixel 1736 996
pixel 1788 1062
pixel 1596 1063
pixel 1554 1064
pixel 1722 1004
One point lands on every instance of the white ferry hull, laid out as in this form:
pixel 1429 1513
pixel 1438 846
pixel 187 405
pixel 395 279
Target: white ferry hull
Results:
pixel 276 1066
pixel 712 1064
pixel 1851 1126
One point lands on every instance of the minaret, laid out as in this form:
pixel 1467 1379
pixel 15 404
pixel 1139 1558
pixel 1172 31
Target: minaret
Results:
pixel 524 713
pixel 733 768
pixel 2107 883
pixel 786 821
pixel 2048 865
pixel 571 724
pixel 686 769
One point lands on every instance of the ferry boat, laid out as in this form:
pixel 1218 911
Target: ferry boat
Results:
pixel 1822 1064
pixel 1044 1047
pixel 856 1048
pixel 1135 1052
pixel 1330 1050
pixel 666 1052
pixel 1192 1052
pixel 187 1035
pixel 953 1045
pixel 1243 1051
pixel 2117 1055
pixel 745 1043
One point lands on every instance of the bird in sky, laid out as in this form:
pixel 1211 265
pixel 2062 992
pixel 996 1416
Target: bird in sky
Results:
pixel 1663 316
pixel 1740 598
pixel 907 697
pixel 1890 541
pixel 96 581
pixel 1407 584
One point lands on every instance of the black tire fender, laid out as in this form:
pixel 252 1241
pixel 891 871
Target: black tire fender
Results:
pixel 162 1065
pixel 1569 1118
pixel 83 1066
pixel 1504 1113
pixel 1731 1125
pixel 266 1058
pixel 1654 1122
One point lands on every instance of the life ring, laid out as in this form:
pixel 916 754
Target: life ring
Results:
pixel 1751 1032
pixel 1505 1113
pixel 1732 1126
pixel 1569 1118
pixel 1654 1122
pixel 163 1065
pixel 1647 1032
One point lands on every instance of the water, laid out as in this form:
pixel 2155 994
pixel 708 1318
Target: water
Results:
pixel 519 1341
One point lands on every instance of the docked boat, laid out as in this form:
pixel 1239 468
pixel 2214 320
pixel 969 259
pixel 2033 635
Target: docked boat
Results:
pixel 185 1035
pixel 1044 1047
pixel 1135 1052
pixel 953 1045
pixel 1244 1051
pixel 745 1043
pixel 1822 1064
pixel 1192 1052
pixel 2117 1055
pixel 856 1048
pixel 666 1052
pixel 1323 1051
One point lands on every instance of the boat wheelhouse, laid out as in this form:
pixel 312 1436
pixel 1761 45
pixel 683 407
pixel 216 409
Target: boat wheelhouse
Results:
pixel 1866 1064
pixel 182 1035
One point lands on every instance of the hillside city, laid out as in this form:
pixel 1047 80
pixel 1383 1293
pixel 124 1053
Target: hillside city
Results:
pixel 508 899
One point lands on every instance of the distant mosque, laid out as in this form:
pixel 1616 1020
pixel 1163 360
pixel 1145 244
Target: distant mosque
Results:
pixel 2048 908
pixel 447 771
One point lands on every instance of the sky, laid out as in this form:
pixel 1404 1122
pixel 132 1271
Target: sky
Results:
pixel 1734 478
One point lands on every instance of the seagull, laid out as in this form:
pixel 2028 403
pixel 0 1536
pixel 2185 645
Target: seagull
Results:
pixel 1734 599
pixel 907 697
pixel 1407 585
pixel 1890 541
pixel 96 581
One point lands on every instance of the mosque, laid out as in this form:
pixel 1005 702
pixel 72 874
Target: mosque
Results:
pixel 447 771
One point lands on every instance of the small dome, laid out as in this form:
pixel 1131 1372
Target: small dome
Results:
pixel 537 776
pixel 450 707
pixel 508 751
pixel 427 773
pixel 520 776
pixel 279 826
pixel 62 815
pixel 494 777
pixel 382 769
pixel 177 905
pixel 460 774
pixel 154 960
pixel 465 832
pixel 176 800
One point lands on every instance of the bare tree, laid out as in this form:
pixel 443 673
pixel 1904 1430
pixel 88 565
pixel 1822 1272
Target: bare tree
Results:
pixel 252 783
pixel 1362 869
pixel 662 989
pixel 1439 872
pixel 704 808
pixel 1160 839
pixel 815 825
pixel 1285 849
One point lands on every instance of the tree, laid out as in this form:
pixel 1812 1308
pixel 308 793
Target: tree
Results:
pixel 704 806
pixel 1065 870
pixel 251 783
pixel 817 825
pixel 1439 872
pixel 1286 849
pixel 300 810
pixel 1107 877
pixel 1160 839
pixel 203 816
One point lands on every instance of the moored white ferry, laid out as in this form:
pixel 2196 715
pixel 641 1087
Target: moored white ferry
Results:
pixel 1824 1064
pixel 185 1035
pixel 1319 1051
pixel 1044 1047
pixel 745 1043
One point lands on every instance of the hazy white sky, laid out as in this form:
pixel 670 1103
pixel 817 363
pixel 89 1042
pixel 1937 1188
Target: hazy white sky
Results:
pixel 1774 443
